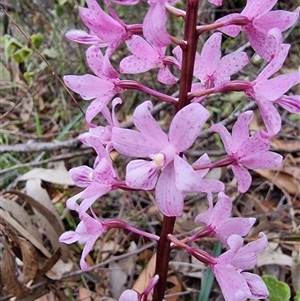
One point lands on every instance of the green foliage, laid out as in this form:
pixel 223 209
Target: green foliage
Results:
pixel 37 40
pixel 279 291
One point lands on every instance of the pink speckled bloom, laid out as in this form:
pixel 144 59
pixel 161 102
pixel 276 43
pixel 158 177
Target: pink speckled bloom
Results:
pixel 245 151
pixel 235 284
pixel 101 88
pixel 267 92
pixel 87 232
pixel 218 221
pixel 263 27
pixel 210 68
pixel 166 168
pixel 146 57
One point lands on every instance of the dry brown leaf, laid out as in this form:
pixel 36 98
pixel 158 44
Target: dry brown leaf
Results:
pixel 30 259
pixel 54 176
pixel 59 269
pixel 20 214
pixel 281 179
pixel 176 289
pixel 120 270
pixel 146 275
pixel 285 145
pixel 10 281
pixel 45 208
pixel 12 222
pixel 84 294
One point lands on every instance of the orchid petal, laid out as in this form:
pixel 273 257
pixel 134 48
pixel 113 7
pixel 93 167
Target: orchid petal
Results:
pixel 168 198
pixel 88 85
pixel 107 29
pixel 166 77
pixel 132 143
pixel 274 88
pixel 211 54
pixel 134 65
pixel 140 48
pixel 97 105
pixel 69 237
pixel 80 36
pixel 243 177
pixel 225 136
pixel 86 250
pixel 129 295
pixel 270 116
pixel 229 65
pixel 154 25
pixel 275 64
pixel 186 177
pixel 81 175
pixel 277 19
pixel 187 125
pixel 256 285
pixel 256 8
pixel 290 102
pixel 232 283
pixel 230 30
pixel 240 131
pixel 141 174
pixel 265 44
pixel 263 160
pixel 148 126
pixel 237 225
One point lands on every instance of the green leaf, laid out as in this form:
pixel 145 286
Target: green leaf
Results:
pixel 29 77
pixel 62 2
pixel 36 39
pixel 279 291
pixel 22 55
pixel 50 53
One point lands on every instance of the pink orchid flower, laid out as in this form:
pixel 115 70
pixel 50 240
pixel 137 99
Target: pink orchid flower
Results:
pixel 245 151
pixel 87 232
pixel 97 181
pixel 104 29
pixel 101 87
pixel 218 221
pixel 150 141
pixel 103 133
pixel 131 295
pixel 235 284
pixel 262 26
pixel 216 2
pixel 146 57
pixel 210 68
pixel 267 92
pixel 154 25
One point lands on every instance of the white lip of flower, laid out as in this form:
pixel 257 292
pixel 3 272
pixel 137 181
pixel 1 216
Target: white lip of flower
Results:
pixel 91 176
pixel 159 160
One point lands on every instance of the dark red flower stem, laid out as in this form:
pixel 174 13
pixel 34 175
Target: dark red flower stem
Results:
pixel 188 61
